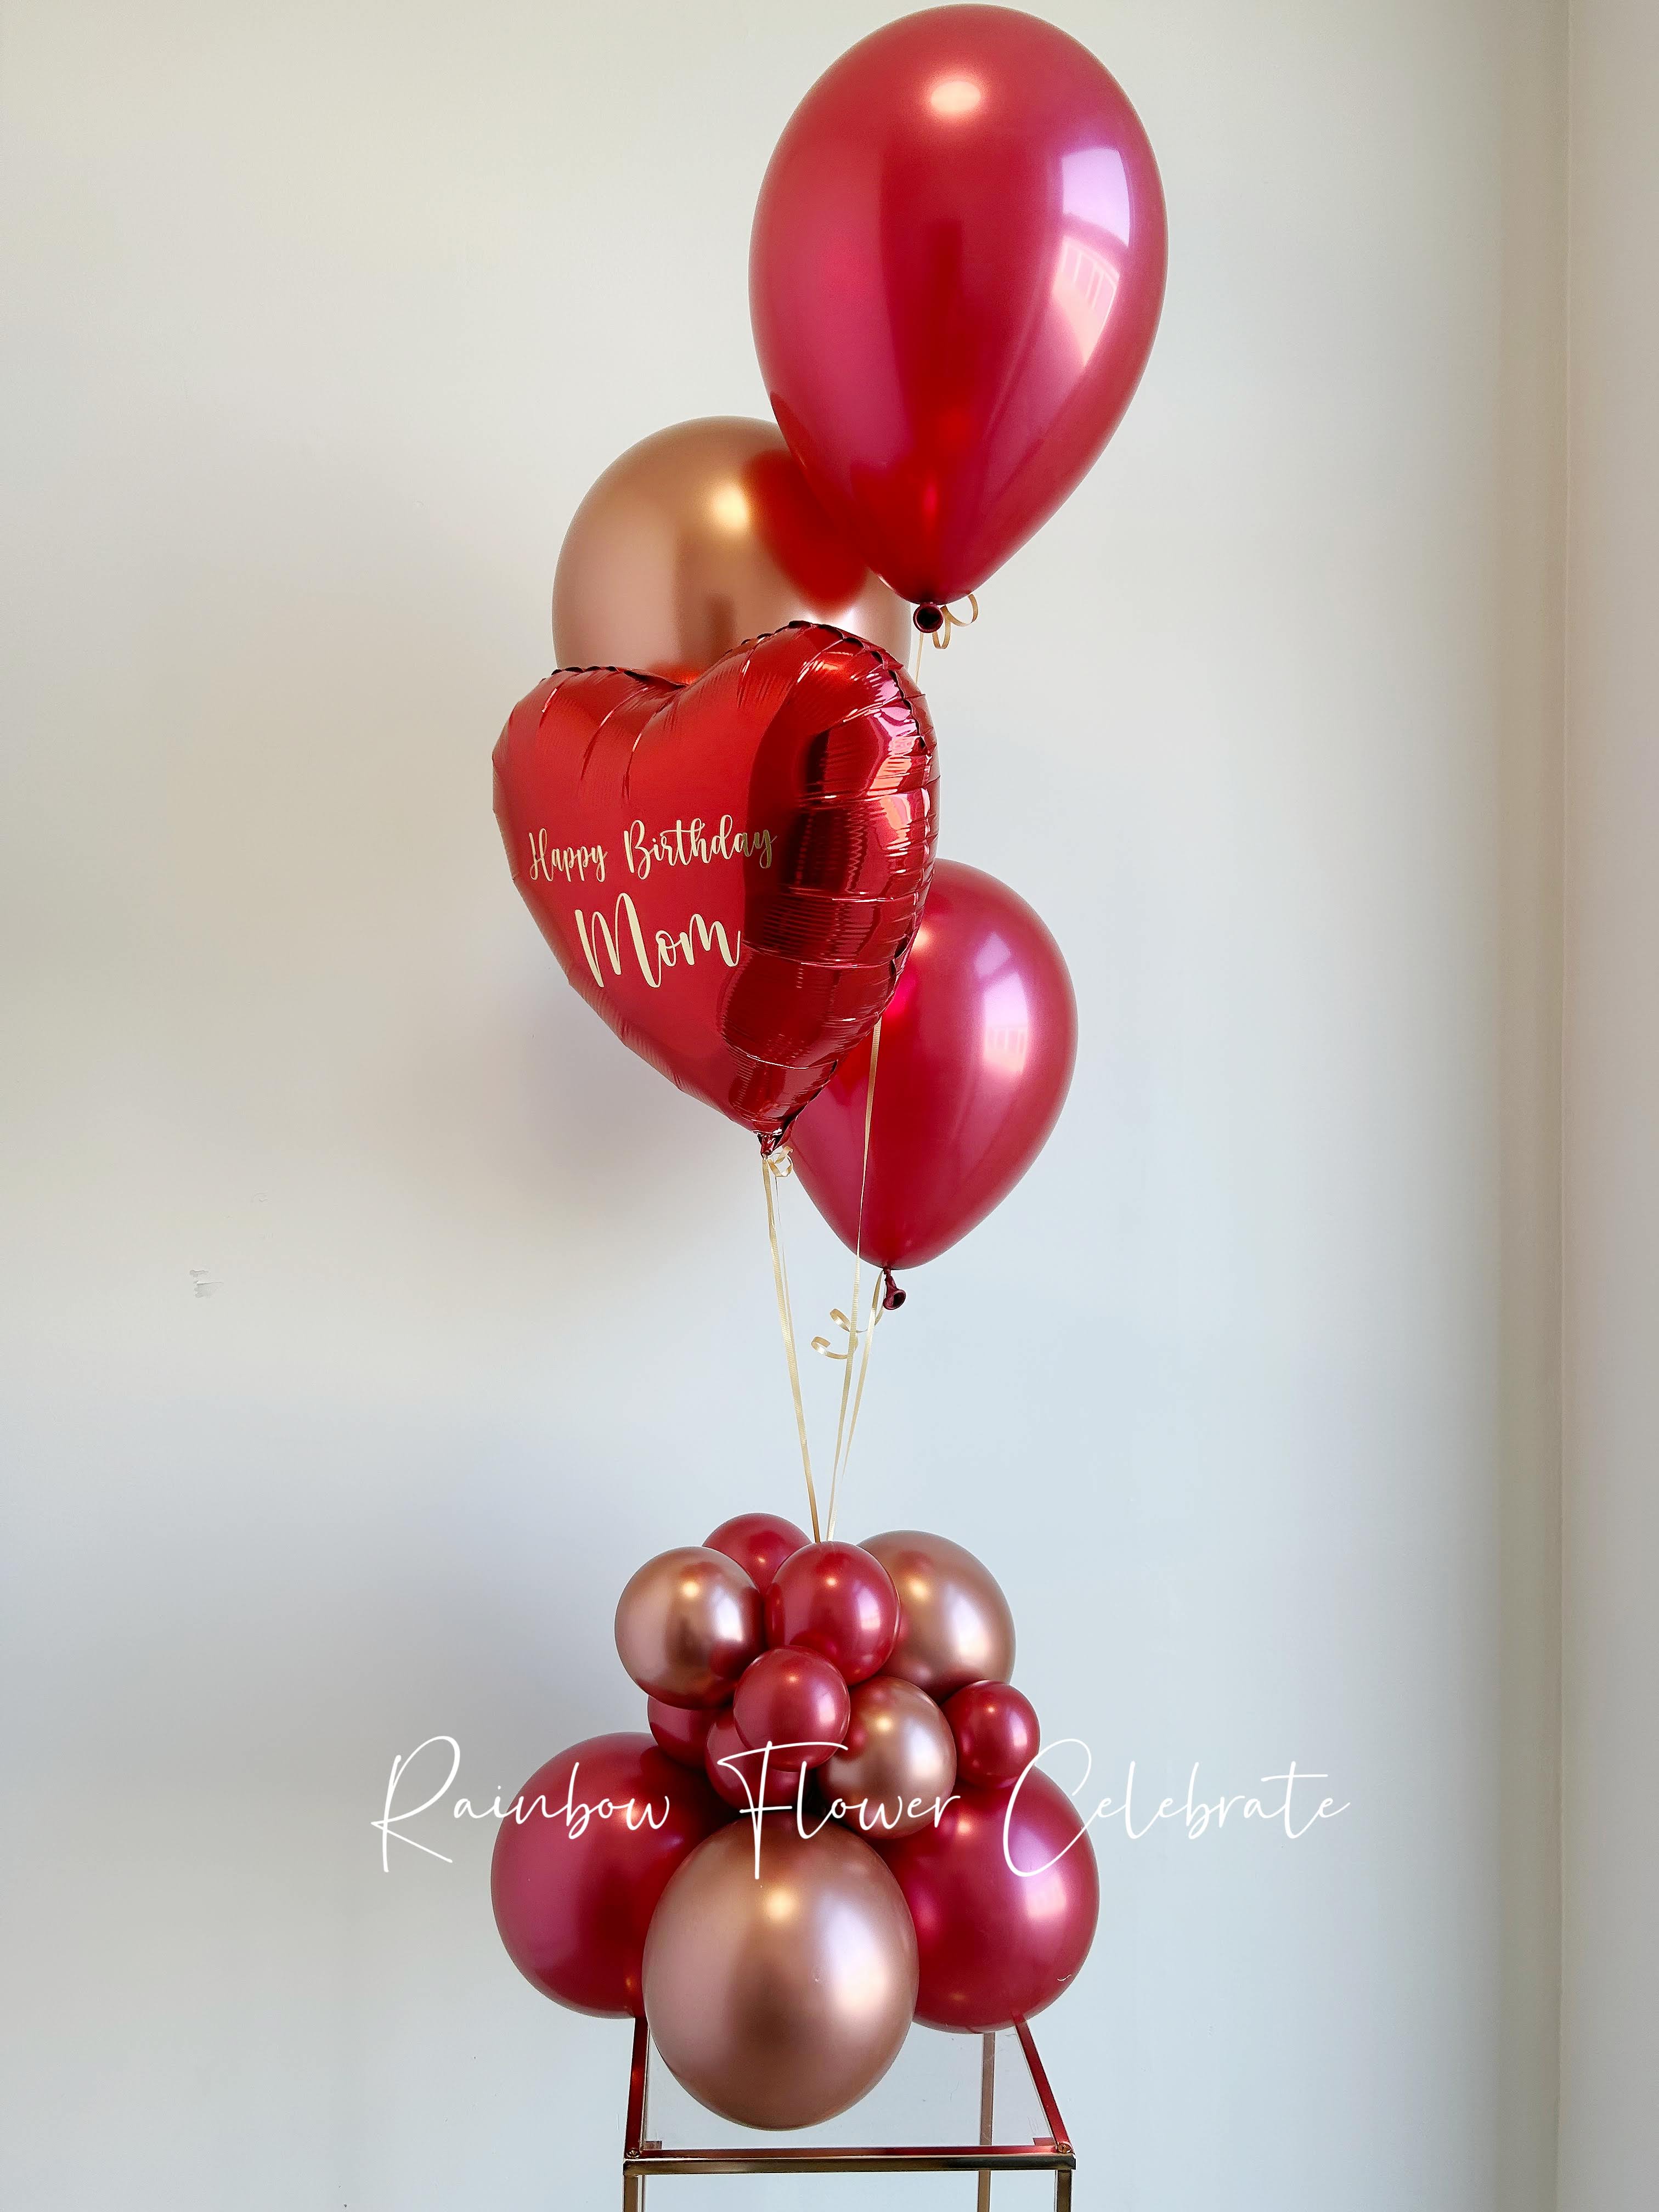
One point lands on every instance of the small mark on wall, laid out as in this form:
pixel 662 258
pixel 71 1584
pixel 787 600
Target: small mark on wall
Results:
pixel 201 1283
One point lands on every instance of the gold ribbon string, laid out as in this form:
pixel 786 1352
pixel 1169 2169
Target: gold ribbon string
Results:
pixel 952 621
pixel 774 1167
pixel 844 1429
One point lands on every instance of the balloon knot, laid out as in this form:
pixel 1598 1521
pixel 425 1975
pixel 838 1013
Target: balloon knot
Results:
pixel 928 618
pixel 891 1296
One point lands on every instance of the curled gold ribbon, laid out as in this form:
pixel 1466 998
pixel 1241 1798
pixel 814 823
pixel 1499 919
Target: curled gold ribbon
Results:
pixel 844 1428
pixel 953 621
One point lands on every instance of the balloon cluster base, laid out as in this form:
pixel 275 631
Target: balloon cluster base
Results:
pixel 951 2103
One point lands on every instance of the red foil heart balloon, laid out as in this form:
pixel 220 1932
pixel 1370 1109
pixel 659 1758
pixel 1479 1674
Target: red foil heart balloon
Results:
pixel 730 872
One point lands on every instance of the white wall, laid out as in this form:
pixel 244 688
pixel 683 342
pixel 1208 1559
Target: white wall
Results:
pixel 320 320
pixel 1610 2044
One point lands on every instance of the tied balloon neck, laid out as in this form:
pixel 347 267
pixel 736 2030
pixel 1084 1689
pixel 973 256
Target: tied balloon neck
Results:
pixel 937 621
pixel 892 1297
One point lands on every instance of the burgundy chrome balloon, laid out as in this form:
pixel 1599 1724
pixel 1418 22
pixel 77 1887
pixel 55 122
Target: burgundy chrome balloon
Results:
pixel 996 1945
pixel 759 1542
pixel 572 1900
pixel 955 276
pixel 996 1734
pixel 977 1048
pixel 793 1697
pixel 681 1730
pixel 737 1770
pixel 729 872
pixel 836 1600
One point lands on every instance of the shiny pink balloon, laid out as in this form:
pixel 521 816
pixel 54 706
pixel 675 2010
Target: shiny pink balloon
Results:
pixel 836 1600
pixel 735 1769
pixel 977 1047
pixel 996 1732
pixel 996 1944
pixel 793 1697
pixel 687 1624
pixel 955 276
pixel 680 1731
pixel 582 1857
pixel 759 1542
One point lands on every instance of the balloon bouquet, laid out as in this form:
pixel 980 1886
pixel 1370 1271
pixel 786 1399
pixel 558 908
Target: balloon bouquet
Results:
pixel 722 811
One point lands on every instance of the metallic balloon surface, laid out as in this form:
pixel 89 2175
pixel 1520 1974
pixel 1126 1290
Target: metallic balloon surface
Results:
pixel 780 2002
pixel 955 1624
pixel 977 1048
pixel 838 1601
pixel 699 537
pixel 995 1945
pixel 688 1623
pixel 681 1730
pixel 955 277
pixel 739 1772
pixel 900 1762
pixel 572 1900
pixel 794 1698
pixel 729 872
pixel 759 1542
pixel 996 1732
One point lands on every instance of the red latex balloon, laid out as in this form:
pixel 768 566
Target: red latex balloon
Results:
pixel 572 1900
pixel 729 872
pixel 996 1731
pixel 759 1542
pixel 955 277
pixel 791 1697
pixel 681 1733
pixel 838 1601
pixel 977 1047
pixel 739 1781
pixel 996 1945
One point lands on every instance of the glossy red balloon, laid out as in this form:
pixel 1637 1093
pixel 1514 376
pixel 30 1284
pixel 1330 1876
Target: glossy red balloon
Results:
pixel 739 1781
pixel 996 1945
pixel 759 1542
pixel 729 872
pixel 996 1731
pixel 680 1732
pixel 793 1697
pixel 977 1048
pixel 572 1900
pixel 955 277
pixel 838 1601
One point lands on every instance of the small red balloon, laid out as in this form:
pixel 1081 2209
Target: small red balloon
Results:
pixel 791 1697
pixel 997 1945
pixel 839 1601
pixel 681 1733
pixel 996 1731
pixel 734 1767
pixel 579 1865
pixel 977 1047
pixel 759 1542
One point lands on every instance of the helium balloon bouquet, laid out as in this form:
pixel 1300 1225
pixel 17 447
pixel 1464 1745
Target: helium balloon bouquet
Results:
pixel 722 811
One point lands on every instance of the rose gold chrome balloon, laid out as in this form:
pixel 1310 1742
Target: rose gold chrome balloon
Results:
pixel 697 538
pixel 955 1625
pixel 778 2003
pixel 686 1625
pixel 900 1761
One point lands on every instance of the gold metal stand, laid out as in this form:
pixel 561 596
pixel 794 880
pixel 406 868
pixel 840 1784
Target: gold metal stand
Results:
pixel 1052 2153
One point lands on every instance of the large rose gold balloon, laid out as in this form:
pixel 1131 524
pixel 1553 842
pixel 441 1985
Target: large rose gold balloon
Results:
pixel 778 2003
pixel 955 1625
pixel 900 1760
pixel 697 538
pixel 686 1625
